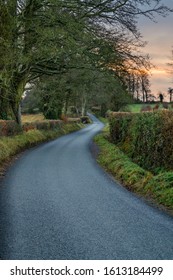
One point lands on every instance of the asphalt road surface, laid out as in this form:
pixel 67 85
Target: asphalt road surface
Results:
pixel 57 203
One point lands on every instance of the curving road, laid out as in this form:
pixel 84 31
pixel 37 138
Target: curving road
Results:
pixel 57 203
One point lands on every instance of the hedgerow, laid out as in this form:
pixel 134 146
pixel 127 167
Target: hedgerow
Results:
pixel 145 137
pixel 119 164
pixel 9 128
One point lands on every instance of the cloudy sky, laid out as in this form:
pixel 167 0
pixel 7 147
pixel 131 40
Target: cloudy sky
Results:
pixel 160 44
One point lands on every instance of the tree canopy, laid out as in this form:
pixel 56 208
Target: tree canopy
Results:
pixel 43 38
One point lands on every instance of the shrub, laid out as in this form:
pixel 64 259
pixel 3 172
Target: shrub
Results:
pixel 156 107
pixel 29 126
pixel 11 128
pixel 42 125
pixel 165 105
pixel 146 137
pixel 144 133
pixel 96 110
pixel 74 120
pixel 119 123
pixel 64 118
pixel 146 108
pixel 8 128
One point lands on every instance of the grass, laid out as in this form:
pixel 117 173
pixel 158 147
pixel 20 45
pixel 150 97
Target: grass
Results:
pixel 10 146
pixel 136 108
pixel 103 120
pixel 32 117
pixel 158 189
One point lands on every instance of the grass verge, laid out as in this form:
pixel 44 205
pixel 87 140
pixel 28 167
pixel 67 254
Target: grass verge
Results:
pixel 10 146
pixel 157 189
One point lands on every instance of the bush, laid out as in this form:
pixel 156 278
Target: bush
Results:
pixel 11 128
pixel 96 110
pixel 47 125
pixel 119 124
pixel 145 137
pixel 8 128
pixel 29 126
pixel 146 108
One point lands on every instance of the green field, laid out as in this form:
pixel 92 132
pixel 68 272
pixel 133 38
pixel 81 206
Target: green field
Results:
pixel 136 108
pixel 32 117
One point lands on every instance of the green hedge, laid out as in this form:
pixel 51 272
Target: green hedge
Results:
pixel 145 137
pixel 45 125
pixel 119 124
pixel 11 128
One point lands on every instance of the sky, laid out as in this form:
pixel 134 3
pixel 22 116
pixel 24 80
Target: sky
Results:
pixel 160 45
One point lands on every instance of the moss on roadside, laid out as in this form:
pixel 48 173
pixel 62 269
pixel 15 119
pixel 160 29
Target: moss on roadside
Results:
pixel 162 187
pixel 158 189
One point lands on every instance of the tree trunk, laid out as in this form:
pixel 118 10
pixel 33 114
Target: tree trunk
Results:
pixel 4 105
pixel 143 95
pixel 84 103
pixel 16 108
pixel 146 96
pixel 16 97
pixel 66 107
pixel 66 103
pixel 83 111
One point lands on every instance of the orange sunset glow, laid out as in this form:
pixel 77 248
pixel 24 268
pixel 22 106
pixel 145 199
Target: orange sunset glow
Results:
pixel 158 72
pixel 159 47
pixel 160 81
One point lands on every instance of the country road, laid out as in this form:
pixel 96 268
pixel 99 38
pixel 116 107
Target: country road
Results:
pixel 57 203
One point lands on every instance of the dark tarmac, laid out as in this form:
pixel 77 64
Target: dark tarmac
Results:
pixel 57 203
